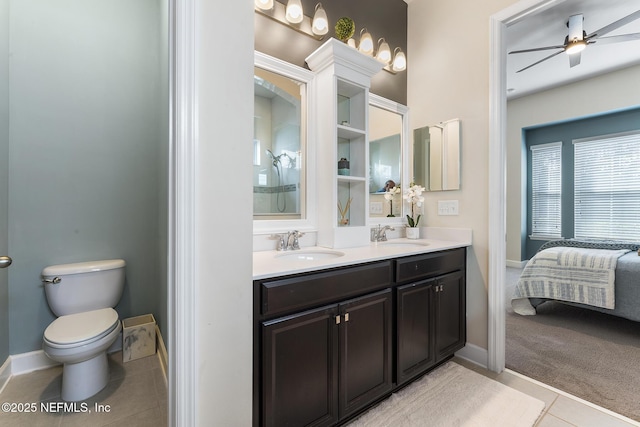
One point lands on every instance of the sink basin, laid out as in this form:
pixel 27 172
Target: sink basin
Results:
pixel 309 255
pixel 401 243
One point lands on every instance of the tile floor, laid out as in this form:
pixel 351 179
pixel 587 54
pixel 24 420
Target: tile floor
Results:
pixel 135 396
pixel 561 409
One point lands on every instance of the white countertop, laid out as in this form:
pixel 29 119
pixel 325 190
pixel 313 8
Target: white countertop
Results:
pixel 280 263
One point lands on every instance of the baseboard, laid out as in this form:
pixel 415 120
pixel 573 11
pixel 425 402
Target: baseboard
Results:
pixel 28 362
pixel 5 373
pixel 516 264
pixel 162 354
pixel 474 354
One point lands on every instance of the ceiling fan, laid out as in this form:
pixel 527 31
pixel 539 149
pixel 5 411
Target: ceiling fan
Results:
pixel 578 39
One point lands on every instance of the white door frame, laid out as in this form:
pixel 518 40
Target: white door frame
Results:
pixel 181 295
pixel 497 172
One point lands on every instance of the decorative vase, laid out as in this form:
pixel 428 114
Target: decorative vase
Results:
pixel 413 233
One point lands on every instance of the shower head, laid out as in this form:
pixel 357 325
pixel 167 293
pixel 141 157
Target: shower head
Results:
pixel 270 153
pixel 274 159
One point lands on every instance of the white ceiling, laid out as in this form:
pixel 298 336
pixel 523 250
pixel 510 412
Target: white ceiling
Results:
pixel 548 28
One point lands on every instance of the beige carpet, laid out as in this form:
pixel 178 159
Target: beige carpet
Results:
pixel 453 395
pixel 591 355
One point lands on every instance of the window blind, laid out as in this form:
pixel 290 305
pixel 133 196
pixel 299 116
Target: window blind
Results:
pixel 546 190
pixel 607 187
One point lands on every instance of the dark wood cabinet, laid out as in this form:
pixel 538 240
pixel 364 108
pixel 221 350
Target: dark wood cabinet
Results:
pixel 300 369
pixel 328 344
pixel 365 351
pixel 430 313
pixel 450 315
pixel 415 329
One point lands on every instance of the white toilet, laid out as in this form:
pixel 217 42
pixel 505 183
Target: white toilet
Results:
pixel 83 295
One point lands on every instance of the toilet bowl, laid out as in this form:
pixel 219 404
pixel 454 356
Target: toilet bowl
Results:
pixel 83 296
pixel 80 342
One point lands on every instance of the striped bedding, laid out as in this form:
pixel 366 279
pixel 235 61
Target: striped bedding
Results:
pixel 571 274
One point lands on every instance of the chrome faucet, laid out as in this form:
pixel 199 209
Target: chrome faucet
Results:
pixel 287 241
pixel 379 233
pixel 292 240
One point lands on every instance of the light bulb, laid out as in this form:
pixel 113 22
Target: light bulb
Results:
pixel 384 52
pixel 575 46
pixel 264 4
pixel 399 61
pixel 294 12
pixel 320 24
pixel 366 42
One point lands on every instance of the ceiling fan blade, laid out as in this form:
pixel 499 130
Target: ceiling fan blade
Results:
pixel 615 25
pixel 536 49
pixel 575 27
pixel 616 39
pixel 574 59
pixel 542 60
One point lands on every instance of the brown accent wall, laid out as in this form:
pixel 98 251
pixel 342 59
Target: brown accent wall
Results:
pixel 386 19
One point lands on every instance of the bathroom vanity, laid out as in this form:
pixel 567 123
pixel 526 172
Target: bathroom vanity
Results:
pixel 337 331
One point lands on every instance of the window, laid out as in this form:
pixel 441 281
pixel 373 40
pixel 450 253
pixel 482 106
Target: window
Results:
pixel 546 191
pixel 607 187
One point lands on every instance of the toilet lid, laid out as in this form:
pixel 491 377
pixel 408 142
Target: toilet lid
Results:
pixel 78 327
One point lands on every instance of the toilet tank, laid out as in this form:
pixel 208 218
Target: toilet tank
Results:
pixel 83 286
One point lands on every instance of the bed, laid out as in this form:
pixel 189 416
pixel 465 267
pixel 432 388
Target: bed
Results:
pixel 626 279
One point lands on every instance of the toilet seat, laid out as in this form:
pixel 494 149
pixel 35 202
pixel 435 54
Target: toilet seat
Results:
pixel 79 329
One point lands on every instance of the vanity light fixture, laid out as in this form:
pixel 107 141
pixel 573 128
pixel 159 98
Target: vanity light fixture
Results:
pixel 366 42
pixel 264 4
pixel 320 25
pixel 294 12
pixel 399 60
pixel 384 52
pixel 292 16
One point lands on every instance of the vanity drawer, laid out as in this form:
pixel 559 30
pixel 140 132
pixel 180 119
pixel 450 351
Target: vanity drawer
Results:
pixel 298 293
pixel 429 265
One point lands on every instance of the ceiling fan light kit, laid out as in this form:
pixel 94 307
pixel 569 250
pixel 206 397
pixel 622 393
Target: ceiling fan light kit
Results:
pixel 577 39
pixel 575 46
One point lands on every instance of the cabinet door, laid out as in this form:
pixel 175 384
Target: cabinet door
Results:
pixel 365 350
pixel 450 314
pixel 415 329
pixel 300 369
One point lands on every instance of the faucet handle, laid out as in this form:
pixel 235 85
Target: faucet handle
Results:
pixel 280 244
pixel 295 234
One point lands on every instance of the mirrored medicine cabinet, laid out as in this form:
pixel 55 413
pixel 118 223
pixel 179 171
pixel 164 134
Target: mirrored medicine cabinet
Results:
pixel 388 158
pixel 283 176
pixel 280 145
pixel 436 156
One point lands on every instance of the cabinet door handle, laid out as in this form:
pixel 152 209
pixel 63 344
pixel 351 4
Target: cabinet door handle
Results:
pixel 441 288
pixel 338 319
pixel 346 317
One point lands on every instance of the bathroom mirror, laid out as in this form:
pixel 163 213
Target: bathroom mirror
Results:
pixel 279 144
pixel 436 156
pixel 388 124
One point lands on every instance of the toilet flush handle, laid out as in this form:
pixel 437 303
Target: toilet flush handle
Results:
pixel 55 280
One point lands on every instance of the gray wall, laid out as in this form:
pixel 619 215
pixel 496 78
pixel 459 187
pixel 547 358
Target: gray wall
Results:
pixel 4 181
pixel 604 124
pixel 386 19
pixel 87 151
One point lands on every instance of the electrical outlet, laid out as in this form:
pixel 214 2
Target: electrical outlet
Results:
pixel 447 207
pixel 375 208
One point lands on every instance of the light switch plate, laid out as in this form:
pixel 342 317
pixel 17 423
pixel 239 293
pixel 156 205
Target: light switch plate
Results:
pixel 447 207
